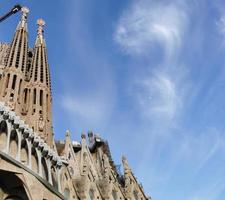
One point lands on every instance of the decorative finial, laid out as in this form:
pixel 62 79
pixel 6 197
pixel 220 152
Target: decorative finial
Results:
pixel 83 136
pixel 23 20
pixel 40 23
pixel 125 163
pixel 90 133
pixel 67 133
pixel 25 11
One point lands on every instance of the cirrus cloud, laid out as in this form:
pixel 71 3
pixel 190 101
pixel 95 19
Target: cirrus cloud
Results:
pixel 148 23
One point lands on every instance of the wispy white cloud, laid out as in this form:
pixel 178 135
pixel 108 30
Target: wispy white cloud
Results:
pixel 221 24
pixel 149 23
pixel 164 95
pixel 143 27
pixel 221 27
pixel 158 96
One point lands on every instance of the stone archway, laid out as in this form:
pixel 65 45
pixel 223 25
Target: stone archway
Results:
pixel 3 135
pixel 13 145
pixel 11 187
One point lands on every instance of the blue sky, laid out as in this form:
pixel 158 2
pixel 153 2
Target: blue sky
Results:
pixel 149 76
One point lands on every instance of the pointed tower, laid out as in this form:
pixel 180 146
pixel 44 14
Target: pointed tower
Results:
pixel 38 98
pixel 14 71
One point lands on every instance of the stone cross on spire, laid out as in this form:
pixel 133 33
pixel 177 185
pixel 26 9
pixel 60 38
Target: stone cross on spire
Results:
pixel 23 20
pixel 40 23
pixel 40 30
pixel 25 12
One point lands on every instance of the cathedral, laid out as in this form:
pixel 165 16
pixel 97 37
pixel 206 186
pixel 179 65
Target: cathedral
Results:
pixel 34 166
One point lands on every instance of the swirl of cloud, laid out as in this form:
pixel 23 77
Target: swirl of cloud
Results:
pixel 147 24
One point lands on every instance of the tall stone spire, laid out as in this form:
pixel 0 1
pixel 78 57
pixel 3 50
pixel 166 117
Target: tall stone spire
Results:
pixel 18 52
pixel 39 114
pixel 40 69
pixel 13 79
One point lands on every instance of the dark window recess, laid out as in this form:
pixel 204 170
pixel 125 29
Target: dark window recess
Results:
pixel 19 86
pixel 14 82
pixel 7 81
pixel 41 97
pixel 34 96
pixel 25 96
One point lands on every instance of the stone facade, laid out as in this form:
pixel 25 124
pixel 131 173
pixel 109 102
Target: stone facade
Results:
pixel 32 164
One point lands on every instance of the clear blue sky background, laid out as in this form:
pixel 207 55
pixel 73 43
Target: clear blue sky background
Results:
pixel 149 76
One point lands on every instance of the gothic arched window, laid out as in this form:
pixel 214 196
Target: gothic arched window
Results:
pixel 14 82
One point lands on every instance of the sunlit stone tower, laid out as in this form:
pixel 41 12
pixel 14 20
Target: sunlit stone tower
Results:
pixel 38 98
pixel 33 165
pixel 25 83
pixel 12 80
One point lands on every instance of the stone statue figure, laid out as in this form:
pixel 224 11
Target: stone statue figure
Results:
pixel 41 124
pixel 11 104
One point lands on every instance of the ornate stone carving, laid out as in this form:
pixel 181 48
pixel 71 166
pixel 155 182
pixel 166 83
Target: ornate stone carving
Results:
pixel 41 124
pixel 106 183
pixel 11 104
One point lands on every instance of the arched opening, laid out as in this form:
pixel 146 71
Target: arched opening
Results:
pixel 24 152
pixel 25 100
pixel 41 98
pixel 14 82
pixel 25 96
pixel 13 145
pixel 18 53
pixel 42 68
pixel 54 177
pixel 7 81
pixel 34 96
pixel 6 84
pixel 3 135
pixel 36 64
pixel 47 108
pixel 11 187
pixel 34 160
pixel 19 90
pixel 44 169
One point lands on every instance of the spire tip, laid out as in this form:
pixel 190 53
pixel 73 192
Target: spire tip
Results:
pixel 40 30
pixel 40 22
pixel 25 10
